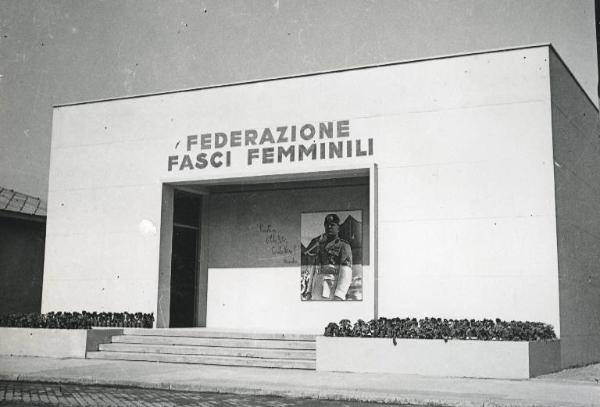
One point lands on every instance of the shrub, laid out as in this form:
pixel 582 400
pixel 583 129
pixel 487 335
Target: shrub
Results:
pixel 437 328
pixel 76 320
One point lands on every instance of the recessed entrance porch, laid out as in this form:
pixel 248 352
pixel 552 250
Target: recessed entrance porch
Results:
pixel 237 263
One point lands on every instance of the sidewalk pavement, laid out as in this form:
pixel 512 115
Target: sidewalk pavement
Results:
pixel 575 387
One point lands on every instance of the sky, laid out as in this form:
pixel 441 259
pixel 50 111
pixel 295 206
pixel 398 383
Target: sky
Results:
pixel 62 51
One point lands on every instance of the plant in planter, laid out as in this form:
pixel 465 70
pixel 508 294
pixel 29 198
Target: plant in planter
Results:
pixel 76 320
pixel 437 328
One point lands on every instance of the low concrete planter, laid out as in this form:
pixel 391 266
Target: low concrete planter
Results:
pixel 53 343
pixel 432 357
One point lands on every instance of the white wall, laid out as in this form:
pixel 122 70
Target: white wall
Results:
pixel 576 169
pixel 268 298
pixel 465 199
pixel 466 215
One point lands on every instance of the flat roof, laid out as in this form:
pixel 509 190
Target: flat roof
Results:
pixel 17 202
pixel 278 78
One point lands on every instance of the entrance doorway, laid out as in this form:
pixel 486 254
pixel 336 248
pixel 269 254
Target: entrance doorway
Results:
pixel 185 259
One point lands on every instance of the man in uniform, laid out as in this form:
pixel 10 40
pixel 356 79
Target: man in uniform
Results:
pixel 332 263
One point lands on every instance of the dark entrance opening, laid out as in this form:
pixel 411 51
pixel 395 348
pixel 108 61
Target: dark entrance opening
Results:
pixel 185 259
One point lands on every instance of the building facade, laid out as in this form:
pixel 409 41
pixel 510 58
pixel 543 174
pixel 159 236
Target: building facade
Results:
pixel 465 186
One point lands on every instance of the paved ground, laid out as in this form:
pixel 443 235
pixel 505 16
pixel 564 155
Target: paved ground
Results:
pixel 572 388
pixel 43 394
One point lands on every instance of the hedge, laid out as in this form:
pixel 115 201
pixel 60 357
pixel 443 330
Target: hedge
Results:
pixel 437 328
pixel 76 320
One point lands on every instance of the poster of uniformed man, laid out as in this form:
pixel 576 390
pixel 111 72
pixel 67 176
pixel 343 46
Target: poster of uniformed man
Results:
pixel 331 263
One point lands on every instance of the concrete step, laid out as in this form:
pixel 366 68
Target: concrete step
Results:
pixel 212 333
pixel 217 342
pixel 211 351
pixel 206 360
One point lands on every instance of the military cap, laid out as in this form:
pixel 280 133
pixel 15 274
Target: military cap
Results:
pixel 332 218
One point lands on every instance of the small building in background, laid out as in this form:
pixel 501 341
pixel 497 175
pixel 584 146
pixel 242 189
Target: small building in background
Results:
pixel 22 241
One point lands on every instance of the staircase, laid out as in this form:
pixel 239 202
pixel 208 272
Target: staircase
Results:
pixel 212 347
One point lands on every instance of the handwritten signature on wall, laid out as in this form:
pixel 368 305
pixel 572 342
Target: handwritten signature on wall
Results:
pixel 277 243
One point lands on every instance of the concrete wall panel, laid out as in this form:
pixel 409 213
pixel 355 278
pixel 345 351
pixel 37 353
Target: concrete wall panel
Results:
pixel 576 169
pixel 489 359
pixel 271 300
